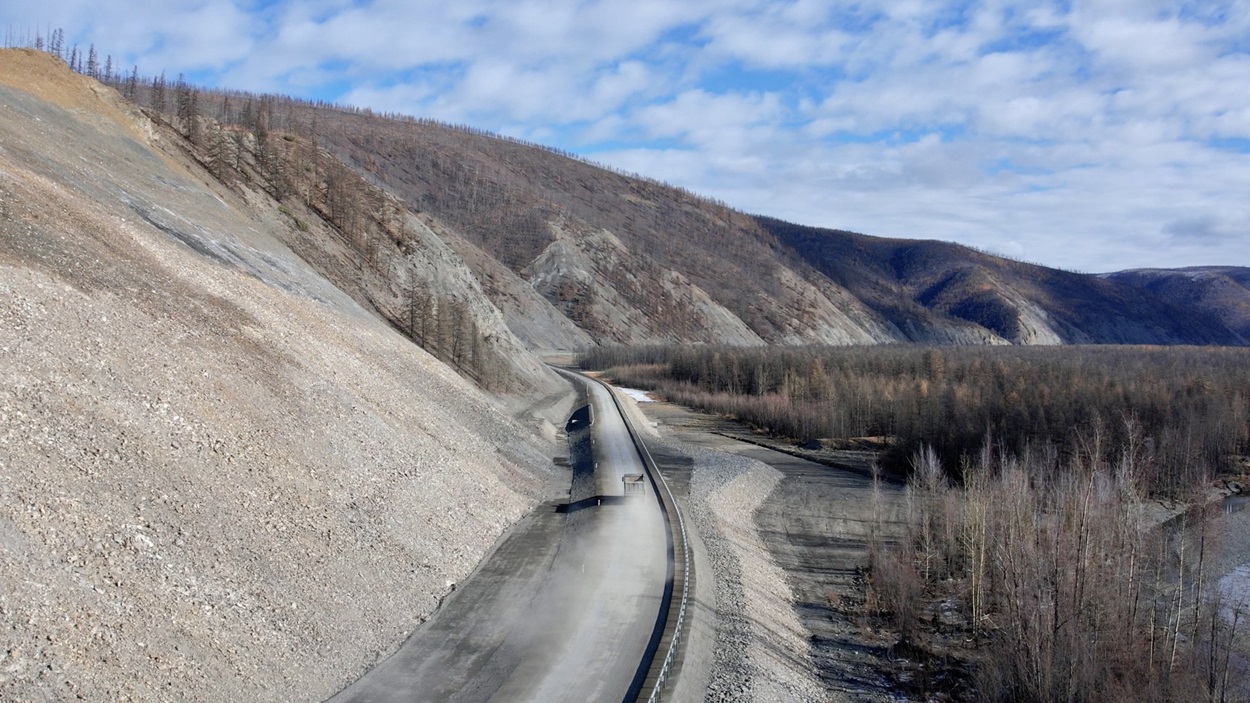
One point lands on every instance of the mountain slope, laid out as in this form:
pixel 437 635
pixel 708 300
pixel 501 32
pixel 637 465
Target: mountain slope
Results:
pixel 1222 292
pixel 629 260
pixel 571 253
pixel 928 289
pixel 221 477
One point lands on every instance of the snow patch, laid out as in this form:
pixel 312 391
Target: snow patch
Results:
pixel 637 395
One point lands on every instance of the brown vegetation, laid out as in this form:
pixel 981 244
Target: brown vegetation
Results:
pixel 1029 549
pixel 1055 586
pixel 1190 405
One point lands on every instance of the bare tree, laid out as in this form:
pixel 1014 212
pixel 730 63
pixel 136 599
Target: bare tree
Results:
pixel 187 105
pixel 131 89
pixel 157 101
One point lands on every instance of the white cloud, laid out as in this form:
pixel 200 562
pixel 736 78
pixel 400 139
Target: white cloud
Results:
pixel 777 36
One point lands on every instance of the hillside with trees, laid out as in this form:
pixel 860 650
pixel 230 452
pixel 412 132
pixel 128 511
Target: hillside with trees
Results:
pixel 921 286
pixel 1222 292
pixel 573 253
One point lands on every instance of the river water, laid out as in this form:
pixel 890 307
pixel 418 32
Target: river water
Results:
pixel 1233 588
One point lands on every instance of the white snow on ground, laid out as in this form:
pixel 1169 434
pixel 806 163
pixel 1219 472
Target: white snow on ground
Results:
pixel 637 395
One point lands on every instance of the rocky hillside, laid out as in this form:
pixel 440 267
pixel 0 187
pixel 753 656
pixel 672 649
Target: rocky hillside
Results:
pixel 559 247
pixel 224 475
pixel 572 253
pixel 626 259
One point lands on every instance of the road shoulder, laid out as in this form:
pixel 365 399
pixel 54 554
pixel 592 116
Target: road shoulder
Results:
pixel 786 533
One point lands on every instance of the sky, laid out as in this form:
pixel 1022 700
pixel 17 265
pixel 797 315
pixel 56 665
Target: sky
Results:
pixel 1092 136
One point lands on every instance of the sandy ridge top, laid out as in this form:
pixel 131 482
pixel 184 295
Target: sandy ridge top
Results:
pixel 49 78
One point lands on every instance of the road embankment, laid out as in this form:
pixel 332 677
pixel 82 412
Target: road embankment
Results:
pixel 746 642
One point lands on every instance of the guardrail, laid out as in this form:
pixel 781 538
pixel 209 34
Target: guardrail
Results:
pixel 657 676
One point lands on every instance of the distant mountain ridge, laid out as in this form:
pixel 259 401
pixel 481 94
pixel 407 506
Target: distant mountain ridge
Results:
pixel 927 287
pixel 1222 292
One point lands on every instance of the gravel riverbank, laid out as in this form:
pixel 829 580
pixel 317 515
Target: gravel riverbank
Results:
pixel 786 542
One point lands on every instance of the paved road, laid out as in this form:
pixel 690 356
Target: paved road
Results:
pixel 564 607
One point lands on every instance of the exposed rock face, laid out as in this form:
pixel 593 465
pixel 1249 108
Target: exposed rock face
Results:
pixel 596 282
pixel 221 478
pixel 534 321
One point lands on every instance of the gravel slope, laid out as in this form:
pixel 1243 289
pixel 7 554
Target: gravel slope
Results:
pixel 762 652
pixel 220 479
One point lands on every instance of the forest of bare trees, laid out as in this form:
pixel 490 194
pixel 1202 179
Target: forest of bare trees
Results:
pixel 1061 586
pixel 1035 547
pixel 1191 404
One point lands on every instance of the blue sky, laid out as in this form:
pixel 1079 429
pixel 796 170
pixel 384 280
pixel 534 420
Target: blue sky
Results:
pixel 1093 136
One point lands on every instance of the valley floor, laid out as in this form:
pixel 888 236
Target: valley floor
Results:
pixel 799 536
pixel 785 540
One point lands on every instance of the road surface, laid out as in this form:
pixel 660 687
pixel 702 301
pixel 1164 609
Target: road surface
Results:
pixel 563 609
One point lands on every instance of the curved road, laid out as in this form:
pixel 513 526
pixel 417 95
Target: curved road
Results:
pixel 565 606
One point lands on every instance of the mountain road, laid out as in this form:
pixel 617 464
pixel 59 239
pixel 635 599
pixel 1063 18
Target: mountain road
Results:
pixel 564 607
